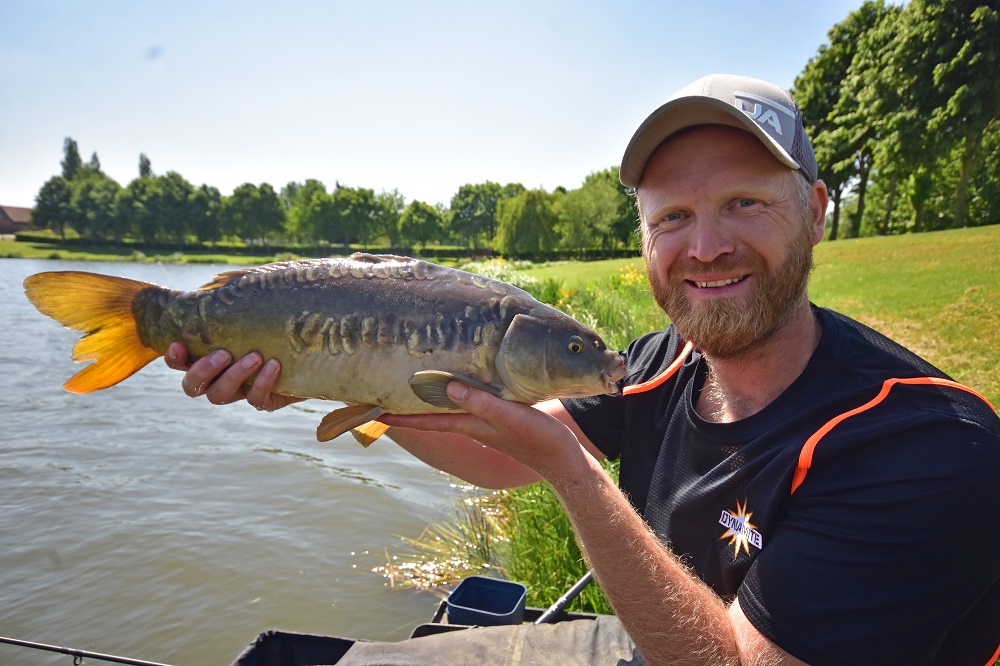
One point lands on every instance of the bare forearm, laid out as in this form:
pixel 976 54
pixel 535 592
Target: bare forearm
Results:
pixel 672 616
pixel 474 463
pixel 462 457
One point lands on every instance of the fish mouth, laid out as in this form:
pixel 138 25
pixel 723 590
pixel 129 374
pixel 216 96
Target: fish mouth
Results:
pixel 612 374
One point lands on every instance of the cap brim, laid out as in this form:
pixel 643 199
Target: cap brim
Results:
pixel 679 114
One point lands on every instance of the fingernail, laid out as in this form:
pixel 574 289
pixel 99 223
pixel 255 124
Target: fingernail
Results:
pixel 250 361
pixel 458 391
pixel 269 368
pixel 219 357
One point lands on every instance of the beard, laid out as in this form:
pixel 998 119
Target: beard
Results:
pixel 731 327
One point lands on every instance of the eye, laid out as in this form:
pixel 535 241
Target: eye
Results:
pixel 575 345
pixel 747 202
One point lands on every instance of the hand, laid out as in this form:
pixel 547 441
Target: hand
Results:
pixel 520 431
pixel 220 380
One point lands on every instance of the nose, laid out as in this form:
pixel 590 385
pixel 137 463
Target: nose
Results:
pixel 709 239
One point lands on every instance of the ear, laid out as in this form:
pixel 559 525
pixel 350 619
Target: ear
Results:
pixel 819 199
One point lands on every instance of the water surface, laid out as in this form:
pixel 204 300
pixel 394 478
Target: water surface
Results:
pixel 139 522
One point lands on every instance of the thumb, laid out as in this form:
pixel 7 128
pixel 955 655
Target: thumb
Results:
pixel 458 392
pixel 478 402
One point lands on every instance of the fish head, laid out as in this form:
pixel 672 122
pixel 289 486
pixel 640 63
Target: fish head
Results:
pixel 548 354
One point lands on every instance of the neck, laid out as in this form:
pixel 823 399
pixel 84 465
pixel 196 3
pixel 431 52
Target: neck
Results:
pixel 738 387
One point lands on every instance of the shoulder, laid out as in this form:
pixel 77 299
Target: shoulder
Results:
pixel 866 350
pixel 894 377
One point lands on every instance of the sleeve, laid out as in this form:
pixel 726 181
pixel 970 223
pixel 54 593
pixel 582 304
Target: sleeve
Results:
pixel 601 418
pixel 889 552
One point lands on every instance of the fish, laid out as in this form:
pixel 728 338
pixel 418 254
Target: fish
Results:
pixel 383 334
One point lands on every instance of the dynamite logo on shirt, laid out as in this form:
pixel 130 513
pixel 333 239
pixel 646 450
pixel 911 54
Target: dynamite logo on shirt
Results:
pixel 739 530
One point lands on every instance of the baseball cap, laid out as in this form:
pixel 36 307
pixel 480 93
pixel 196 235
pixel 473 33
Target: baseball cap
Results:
pixel 764 109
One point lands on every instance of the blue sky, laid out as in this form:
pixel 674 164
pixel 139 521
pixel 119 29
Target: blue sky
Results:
pixel 422 97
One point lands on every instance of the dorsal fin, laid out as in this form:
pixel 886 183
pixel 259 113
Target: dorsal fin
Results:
pixel 227 278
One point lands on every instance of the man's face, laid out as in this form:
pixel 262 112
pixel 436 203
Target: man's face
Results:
pixel 727 240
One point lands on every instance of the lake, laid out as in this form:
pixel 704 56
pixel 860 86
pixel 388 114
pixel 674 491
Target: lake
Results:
pixel 138 522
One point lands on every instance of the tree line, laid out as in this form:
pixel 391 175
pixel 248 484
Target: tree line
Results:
pixel 508 219
pixel 902 104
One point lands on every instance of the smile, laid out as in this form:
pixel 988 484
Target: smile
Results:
pixel 719 283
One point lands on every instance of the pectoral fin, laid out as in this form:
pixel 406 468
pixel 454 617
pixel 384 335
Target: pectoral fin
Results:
pixel 369 432
pixel 347 418
pixel 431 387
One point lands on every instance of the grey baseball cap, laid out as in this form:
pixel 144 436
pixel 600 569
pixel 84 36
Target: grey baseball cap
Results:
pixel 764 109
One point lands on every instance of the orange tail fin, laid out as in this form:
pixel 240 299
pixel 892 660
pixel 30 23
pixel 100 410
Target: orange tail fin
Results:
pixel 101 307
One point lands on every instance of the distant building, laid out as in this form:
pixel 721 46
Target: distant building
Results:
pixel 14 219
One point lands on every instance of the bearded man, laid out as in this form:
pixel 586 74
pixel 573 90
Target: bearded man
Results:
pixel 795 487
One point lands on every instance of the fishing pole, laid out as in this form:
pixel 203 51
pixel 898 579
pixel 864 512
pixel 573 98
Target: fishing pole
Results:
pixel 79 655
pixel 561 602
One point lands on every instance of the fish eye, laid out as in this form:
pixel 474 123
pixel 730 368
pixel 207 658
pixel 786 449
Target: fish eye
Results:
pixel 575 344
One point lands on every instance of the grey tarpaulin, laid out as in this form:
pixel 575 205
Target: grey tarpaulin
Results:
pixel 573 643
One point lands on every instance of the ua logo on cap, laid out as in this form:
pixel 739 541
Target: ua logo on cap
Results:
pixel 763 111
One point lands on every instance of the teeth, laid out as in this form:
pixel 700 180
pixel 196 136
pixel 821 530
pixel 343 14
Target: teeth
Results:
pixel 718 283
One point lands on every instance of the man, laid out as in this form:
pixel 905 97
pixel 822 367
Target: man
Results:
pixel 795 488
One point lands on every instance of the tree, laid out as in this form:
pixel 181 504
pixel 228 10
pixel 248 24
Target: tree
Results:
pixel 255 213
pixel 171 206
pixel 53 205
pixel 205 204
pixel 94 205
pixel 145 166
pixel 948 55
pixel 135 208
pixel 859 119
pixel 473 212
pixel 389 207
pixel 526 224
pixel 420 223
pixel 303 203
pixel 94 163
pixel 819 91
pixel 355 208
pixel 270 214
pixel 588 216
pixel 71 159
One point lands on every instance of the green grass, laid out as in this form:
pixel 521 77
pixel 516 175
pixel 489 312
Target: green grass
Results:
pixel 12 249
pixel 578 273
pixel 937 293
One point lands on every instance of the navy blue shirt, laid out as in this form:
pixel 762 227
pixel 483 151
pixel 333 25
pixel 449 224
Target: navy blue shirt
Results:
pixel 888 550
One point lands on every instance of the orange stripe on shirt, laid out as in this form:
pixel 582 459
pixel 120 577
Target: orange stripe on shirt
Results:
pixel 994 658
pixel 806 454
pixel 663 376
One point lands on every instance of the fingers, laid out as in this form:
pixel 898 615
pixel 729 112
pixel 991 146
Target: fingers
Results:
pixel 494 414
pixel 176 356
pixel 259 394
pixel 488 419
pixel 228 386
pixel 222 383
